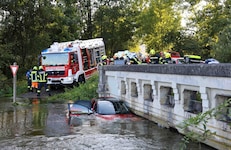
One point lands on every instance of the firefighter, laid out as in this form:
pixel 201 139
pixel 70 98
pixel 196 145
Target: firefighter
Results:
pixel 104 59
pixel 152 53
pixel 153 57
pixel 133 59
pixel 28 77
pixel 34 78
pixel 162 58
pixel 115 56
pixel 42 81
pixel 167 57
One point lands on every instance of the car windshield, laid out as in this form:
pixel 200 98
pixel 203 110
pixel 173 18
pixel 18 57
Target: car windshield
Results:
pixel 55 59
pixel 112 107
pixel 105 108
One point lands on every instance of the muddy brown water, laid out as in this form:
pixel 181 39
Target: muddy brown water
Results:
pixel 37 124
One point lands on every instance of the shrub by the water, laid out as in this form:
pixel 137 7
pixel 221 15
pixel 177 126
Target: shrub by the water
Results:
pixel 85 91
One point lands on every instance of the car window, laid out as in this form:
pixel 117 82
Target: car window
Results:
pixel 105 108
pixel 79 109
pixel 120 107
pixel 86 103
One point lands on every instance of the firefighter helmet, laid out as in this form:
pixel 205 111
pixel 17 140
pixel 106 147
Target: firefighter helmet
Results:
pixel 40 67
pixel 35 68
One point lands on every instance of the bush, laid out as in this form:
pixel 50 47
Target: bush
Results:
pixel 85 91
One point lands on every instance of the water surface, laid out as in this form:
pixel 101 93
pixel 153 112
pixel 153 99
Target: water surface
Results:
pixel 41 125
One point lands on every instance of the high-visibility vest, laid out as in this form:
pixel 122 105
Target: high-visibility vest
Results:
pixel 42 76
pixel 33 75
pixel 104 57
pixel 167 55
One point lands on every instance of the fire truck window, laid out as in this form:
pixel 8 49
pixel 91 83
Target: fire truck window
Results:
pixel 84 52
pixel 76 58
pixel 72 58
pixel 97 56
pixel 97 53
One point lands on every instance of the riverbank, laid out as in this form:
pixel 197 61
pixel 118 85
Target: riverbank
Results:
pixel 85 91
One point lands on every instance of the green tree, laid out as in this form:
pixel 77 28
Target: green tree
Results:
pixel 223 45
pixel 114 21
pixel 28 27
pixel 209 22
pixel 158 24
pixel 186 44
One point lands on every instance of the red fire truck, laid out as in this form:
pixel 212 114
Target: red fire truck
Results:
pixel 70 63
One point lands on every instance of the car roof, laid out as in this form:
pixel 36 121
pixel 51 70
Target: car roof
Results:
pixel 86 103
pixel 113 99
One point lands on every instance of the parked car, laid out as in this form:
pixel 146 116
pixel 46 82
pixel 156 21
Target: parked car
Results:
pixel 211 61
pixel 179 60
pixel 107 108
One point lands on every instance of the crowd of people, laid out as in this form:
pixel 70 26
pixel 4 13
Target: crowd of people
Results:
pixel 36 80
pixel 127 57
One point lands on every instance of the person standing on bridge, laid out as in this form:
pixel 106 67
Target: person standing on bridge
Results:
pixel 104 60
pixel 42 81
pixel 167 57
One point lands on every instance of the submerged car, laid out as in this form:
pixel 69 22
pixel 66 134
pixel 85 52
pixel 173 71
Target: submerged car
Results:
pixel 108 108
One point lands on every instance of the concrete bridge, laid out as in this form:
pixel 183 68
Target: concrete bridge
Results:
pixel 170 94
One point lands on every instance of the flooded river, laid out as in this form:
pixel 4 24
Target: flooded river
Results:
pixel 41 125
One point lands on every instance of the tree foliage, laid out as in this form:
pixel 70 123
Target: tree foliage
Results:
pixel 114 21
pixel 29 26
pixel 158 24
pixel 210 21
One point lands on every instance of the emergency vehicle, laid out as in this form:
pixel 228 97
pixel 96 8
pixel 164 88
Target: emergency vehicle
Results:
pixel 190 59
pixel 176 58
pixel 70 63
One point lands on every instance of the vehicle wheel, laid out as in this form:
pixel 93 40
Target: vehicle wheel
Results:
pixel 76 84
pixel 81 79
pixel 53 87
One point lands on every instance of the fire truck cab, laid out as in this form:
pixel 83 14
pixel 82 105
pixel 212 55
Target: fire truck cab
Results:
pixel 70 63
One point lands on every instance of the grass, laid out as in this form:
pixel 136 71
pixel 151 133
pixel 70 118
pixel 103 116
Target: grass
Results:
pixel 6 87
pixel 85 91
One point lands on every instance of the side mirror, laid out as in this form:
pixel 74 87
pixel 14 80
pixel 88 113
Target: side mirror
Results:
pixel 90 112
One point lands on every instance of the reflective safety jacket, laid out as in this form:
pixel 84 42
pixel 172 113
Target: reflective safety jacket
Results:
pixel 167 55
pixel 104 57
pixel 42 76
pixel 134 60
pixel 34 76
